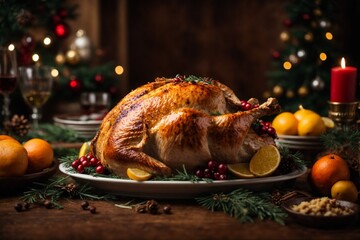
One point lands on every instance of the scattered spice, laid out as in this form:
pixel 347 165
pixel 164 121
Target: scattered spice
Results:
pixel 92 209
pixel 167 209
pixel 18 207
pixel 84 205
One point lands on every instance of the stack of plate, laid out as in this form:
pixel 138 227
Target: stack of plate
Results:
pixel 300 142
pixel 85 126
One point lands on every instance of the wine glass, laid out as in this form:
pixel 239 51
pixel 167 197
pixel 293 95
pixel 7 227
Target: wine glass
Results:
pixel 35 84
pixel 8 75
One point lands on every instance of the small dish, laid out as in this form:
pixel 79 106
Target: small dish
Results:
pixel 14 184
pixel 321 221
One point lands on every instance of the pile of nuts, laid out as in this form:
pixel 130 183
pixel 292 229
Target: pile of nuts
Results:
pixel 323 206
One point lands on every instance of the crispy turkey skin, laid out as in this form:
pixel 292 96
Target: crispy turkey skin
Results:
pixel 169 123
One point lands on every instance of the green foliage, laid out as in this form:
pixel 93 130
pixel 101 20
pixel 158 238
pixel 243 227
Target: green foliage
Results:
pixel 244 205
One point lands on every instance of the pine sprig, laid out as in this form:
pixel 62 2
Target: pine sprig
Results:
pixel 336 140
pixel 297 157
pixel 57 188
pixel 244 206
pixel 182 176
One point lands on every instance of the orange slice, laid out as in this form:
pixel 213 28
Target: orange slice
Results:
pixel 138 174
pixel 240 170
pixel 265 161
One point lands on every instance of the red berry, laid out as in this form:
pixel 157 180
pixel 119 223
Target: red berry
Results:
pixel 75 163
pixel 222 168
pixel 248 106
pixel 85 163
pixel 268 124
pixel 199 173
pixel 212 165
pixel 100 169
pixel 216 175
pixel 94 162
pixel 223 177
pixel 80 168
pixel 207 173
pixel 83 158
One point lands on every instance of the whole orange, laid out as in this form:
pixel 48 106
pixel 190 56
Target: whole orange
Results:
pixel 285 123
pixel 40 154
pixel 326 171
pixel 13 158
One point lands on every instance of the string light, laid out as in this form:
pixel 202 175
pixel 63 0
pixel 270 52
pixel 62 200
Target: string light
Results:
pixel 47 41
pixel 287 65
pixel 323 56
pixel 11 47
pixel 35 57
pixel 119 70
pixel 54 73
pixel 329 36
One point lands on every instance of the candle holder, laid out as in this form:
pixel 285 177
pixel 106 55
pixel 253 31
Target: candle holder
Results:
pixel 344 114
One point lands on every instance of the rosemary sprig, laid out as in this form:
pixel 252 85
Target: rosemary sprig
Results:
pixel 244 205
pixel 182 176
pixel 57 188
pixel 194 79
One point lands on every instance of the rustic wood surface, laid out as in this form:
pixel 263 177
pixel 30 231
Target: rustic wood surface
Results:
pixel 187 221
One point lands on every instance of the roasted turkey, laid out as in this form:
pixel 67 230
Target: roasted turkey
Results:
pixel 172 123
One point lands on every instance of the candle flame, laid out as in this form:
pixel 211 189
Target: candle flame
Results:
pixel 343 65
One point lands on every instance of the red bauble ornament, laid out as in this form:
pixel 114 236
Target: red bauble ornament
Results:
pixel 62 30
pixel 306 17
pixel 99 78
pixel 75 84
pixel 288 22
pixel 276 54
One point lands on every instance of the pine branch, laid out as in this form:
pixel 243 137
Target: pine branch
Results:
pixel 336 140
pixel 244 206
pixel 297 157
pixel 182 176
pixel 57 188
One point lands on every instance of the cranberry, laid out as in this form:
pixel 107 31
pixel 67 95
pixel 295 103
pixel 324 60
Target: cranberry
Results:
pixel 212 165
pixel 85 163
pixel 207 173
pixel 223 177
pixel 199 173
pixel 80 168
pixel 222 168
pixel 83 158
pixel 94 162
pixel 75 163
pixel 100 169
pixel 216 175
pixel 248 106
pixel 267 124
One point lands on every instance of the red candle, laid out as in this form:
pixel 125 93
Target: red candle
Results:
pixel 343 83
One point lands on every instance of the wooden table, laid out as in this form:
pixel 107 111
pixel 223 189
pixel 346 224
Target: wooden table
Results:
pixel 188 221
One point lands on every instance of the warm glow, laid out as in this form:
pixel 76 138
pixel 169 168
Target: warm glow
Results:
pixel 329 36
pixel 35 57
pixel 47 41
pixel 54 73
pixel 119 70
pixel 11 47
pixel 343 64
pixel 323 56
pixel 287 65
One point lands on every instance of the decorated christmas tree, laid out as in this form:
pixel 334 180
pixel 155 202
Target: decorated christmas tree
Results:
pixel 41 34
pixel 300 74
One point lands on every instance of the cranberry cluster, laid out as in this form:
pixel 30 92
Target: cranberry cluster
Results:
pixel 261 127
pixel 88 161
pixel 214 170
pixel 245 106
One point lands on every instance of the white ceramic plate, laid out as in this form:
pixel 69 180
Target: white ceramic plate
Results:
pixel 75 120
pixel 300 138
pixel 177 189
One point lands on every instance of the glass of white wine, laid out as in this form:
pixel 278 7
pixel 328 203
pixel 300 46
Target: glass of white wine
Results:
pixel 35 84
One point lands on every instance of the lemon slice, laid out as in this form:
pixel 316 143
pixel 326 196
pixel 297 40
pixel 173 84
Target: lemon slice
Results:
pixel 265 161
pixel 85 148
pixel 329 123
pixel 138 174
pixel 240 170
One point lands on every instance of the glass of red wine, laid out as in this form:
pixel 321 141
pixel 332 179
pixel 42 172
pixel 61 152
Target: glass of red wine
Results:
pixel 35 84
pixel 8 78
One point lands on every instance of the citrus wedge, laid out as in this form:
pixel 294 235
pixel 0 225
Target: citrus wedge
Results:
pixel 265 161
pixel 329 123
pixel 240 170
pixel 85 147
pixel 138 174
